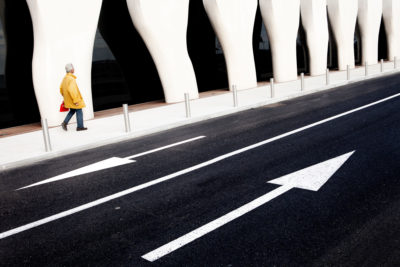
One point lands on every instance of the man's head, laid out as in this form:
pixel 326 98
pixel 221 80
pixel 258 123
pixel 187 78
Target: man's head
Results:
pixel 69 68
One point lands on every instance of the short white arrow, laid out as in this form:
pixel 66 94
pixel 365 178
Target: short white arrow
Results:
pixel 98 166
pixel 106 164
pixel 311 178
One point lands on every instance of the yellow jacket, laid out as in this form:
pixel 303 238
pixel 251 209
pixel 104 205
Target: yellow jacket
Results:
pixel 70 91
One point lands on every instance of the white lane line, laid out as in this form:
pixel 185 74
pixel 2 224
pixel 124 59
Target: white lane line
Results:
pixel 217 223
pixel 105 164
pixel 173 175
pixel 165 147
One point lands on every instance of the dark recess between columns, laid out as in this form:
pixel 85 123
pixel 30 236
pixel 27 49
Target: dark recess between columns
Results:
pixel 332 47
pixel 209 66
pixel 357 46
pixel 302 53
pixel 18 102
pixel 382 45
pixel 135 68
pixel 261 50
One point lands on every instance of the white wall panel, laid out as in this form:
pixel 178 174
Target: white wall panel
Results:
pixel 163 24
pixel 391 17
pixel 64 32
pixel 233 23
pixel 369 21
pixel 315 23
pixel 281 19
pixel 343 18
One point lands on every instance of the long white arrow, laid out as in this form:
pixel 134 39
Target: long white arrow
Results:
pixel 311 178
pixel 106 164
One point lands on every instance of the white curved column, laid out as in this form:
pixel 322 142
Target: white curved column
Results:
pixel 233 23
pixel 315 24
pixel 343 18
pixel 162 24
pixel 281 19
pixel 391 18
pixel 369 20
pixel 64 32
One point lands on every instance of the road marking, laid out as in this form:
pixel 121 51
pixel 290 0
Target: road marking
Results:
pixel 176 174
pixel 98 166
pixel 106 164
pixel 311 178
pixel 165 147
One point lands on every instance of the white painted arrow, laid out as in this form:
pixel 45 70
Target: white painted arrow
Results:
pixel 311 178
pixel 106 164
pixel 101 165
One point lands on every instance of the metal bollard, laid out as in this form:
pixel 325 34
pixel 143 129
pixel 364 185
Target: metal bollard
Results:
pixel 126 117
pixel 235 96
pixel 187 105
pixel 302 81
pixel 381 65
pixel 46 135
pixel 271 83
pixel 395 62
pixel 366 68
pixel 348 72
pixel 327 76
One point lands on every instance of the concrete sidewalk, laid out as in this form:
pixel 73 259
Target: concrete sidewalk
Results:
pixel 29 147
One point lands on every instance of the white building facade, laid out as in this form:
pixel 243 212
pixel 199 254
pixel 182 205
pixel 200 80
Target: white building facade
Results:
pixel 173 42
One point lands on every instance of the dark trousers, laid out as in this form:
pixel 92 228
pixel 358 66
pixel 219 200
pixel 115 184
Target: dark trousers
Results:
pixel 79 116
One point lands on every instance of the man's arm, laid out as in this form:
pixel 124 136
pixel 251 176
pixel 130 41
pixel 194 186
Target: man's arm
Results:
pixel 73 92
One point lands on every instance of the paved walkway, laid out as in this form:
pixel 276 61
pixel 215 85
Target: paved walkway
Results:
pixel 27 146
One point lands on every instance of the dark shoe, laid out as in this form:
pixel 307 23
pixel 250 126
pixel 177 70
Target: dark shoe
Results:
pixel 81 129
pixel 64 126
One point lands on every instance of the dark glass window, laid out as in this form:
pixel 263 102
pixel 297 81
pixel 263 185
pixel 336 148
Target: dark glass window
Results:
pixel 205 51
pixel 17 98
pixel 302 51
pixel 357 46
pixel 6 115
pixel 109 88
pixel 261 50
pixel 382 47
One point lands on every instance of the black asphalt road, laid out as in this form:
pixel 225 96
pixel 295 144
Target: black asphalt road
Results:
pixel 353 220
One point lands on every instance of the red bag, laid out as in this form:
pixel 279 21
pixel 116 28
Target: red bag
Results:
pixel 63 108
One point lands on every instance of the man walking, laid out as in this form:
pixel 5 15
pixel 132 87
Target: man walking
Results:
pixel 72 98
